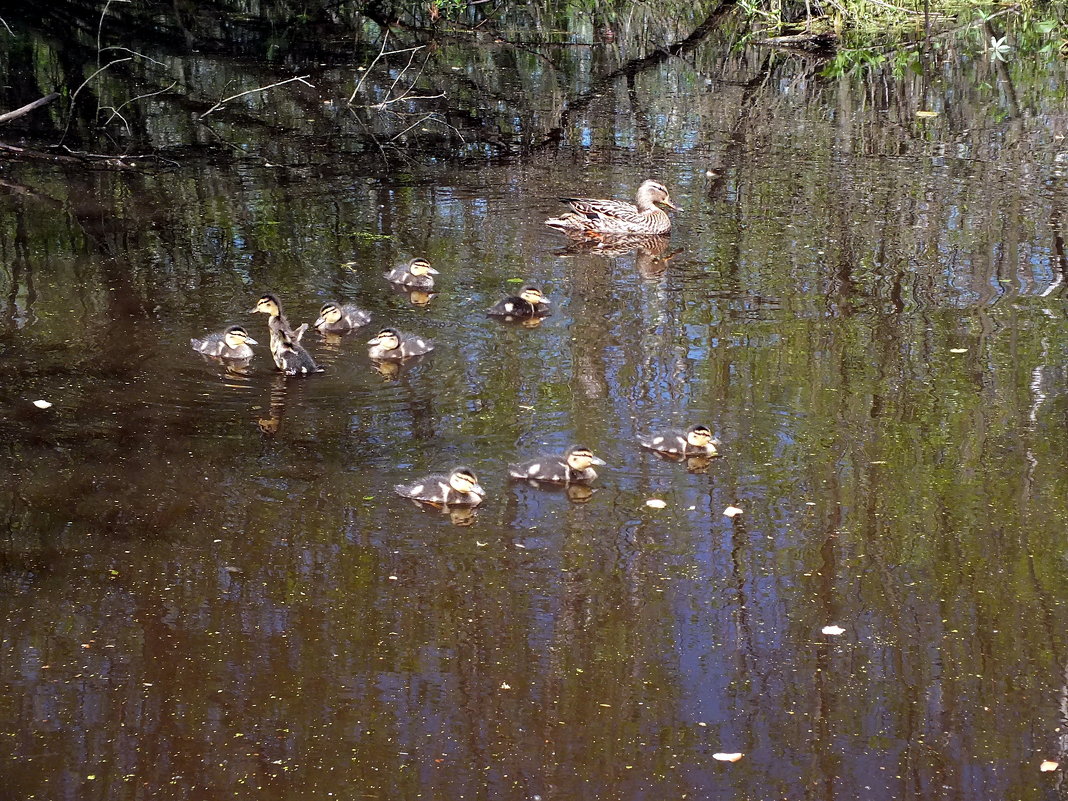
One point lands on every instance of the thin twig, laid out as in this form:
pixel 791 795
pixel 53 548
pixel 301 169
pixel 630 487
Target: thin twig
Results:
pixel 115 111
pixel 4 23
pixel 134 52
pixel 402 98
pixel 371 66
pixel 100 26
pixel 225 100
pixel 381 50
pixel 392 86
pixel 74 96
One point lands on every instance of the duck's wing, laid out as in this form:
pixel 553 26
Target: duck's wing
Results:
pixel 602 209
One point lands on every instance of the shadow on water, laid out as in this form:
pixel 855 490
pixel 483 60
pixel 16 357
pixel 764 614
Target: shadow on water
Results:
pixel 209 587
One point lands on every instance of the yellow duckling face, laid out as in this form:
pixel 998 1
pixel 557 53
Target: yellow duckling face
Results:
pixel 463 479
pixel 268 304
pixel 582 459
pixel 699 437
pixel 236 336
pixel 329 314
pixel 387 339
pixel 421 267
pixel 533 296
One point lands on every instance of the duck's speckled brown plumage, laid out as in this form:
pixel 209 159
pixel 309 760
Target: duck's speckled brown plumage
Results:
pixel 599 215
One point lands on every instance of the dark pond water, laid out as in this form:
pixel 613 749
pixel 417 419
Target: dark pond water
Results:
pixel 208 589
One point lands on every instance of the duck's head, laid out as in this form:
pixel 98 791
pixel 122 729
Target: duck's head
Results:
pixel 236 336
pixel 387 339
pixel 267 304
pixel 533 296
pixel 655 192
pixel 579 458
pixel 420 266
pixel 329 314
pixel 701 437
pixel 463 479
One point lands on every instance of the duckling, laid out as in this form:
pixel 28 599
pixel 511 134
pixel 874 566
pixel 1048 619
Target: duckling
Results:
pixel 390 343
pixel 417 273
pixel 334 318
pixel 276 320
pixel 233 343
pixel 530 302
pixel 696 441
pixel 289 355
pixel 573 467
pixel 459 488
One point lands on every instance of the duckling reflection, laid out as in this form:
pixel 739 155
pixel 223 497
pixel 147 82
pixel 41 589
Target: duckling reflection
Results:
pixel 276 408
pixel 694 464
pixel 575 466
pixel 419 297
pixel 579 493
pixel 459 487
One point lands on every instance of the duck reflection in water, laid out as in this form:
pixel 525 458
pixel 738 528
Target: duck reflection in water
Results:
pixel 420 298
pixel 276 407
pixel 651 259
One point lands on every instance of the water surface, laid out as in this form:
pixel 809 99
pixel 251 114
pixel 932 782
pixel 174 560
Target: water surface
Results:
pixel 210 590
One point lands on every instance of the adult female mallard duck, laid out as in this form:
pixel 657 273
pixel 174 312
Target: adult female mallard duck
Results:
pixel 336 319
pixel 233 343
pixel 573 467
pixel 601 216
pixel 390 343
pixel 459 488
pixel 696 441
pixel 530 302
pixel 417 273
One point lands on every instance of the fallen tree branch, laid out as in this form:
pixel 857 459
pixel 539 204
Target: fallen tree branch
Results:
pixel 113 162
pixel 19 112
pixel 225 100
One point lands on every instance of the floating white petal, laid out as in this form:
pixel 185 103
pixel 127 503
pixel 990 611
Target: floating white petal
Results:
pixel 833 630
pixel 655 503
pixel 42 404
pixel 727 757
pixel 732 511
pixel 1047 766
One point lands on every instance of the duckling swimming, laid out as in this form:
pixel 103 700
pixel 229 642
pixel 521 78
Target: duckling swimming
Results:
pixel 272 307
pixel 696 441
pixel 530 302
pixel 390 343
pixel 233 343
pixel 573 467
pixel 458 488
pixel 335 318
pixel 417 273
pixel 289 355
